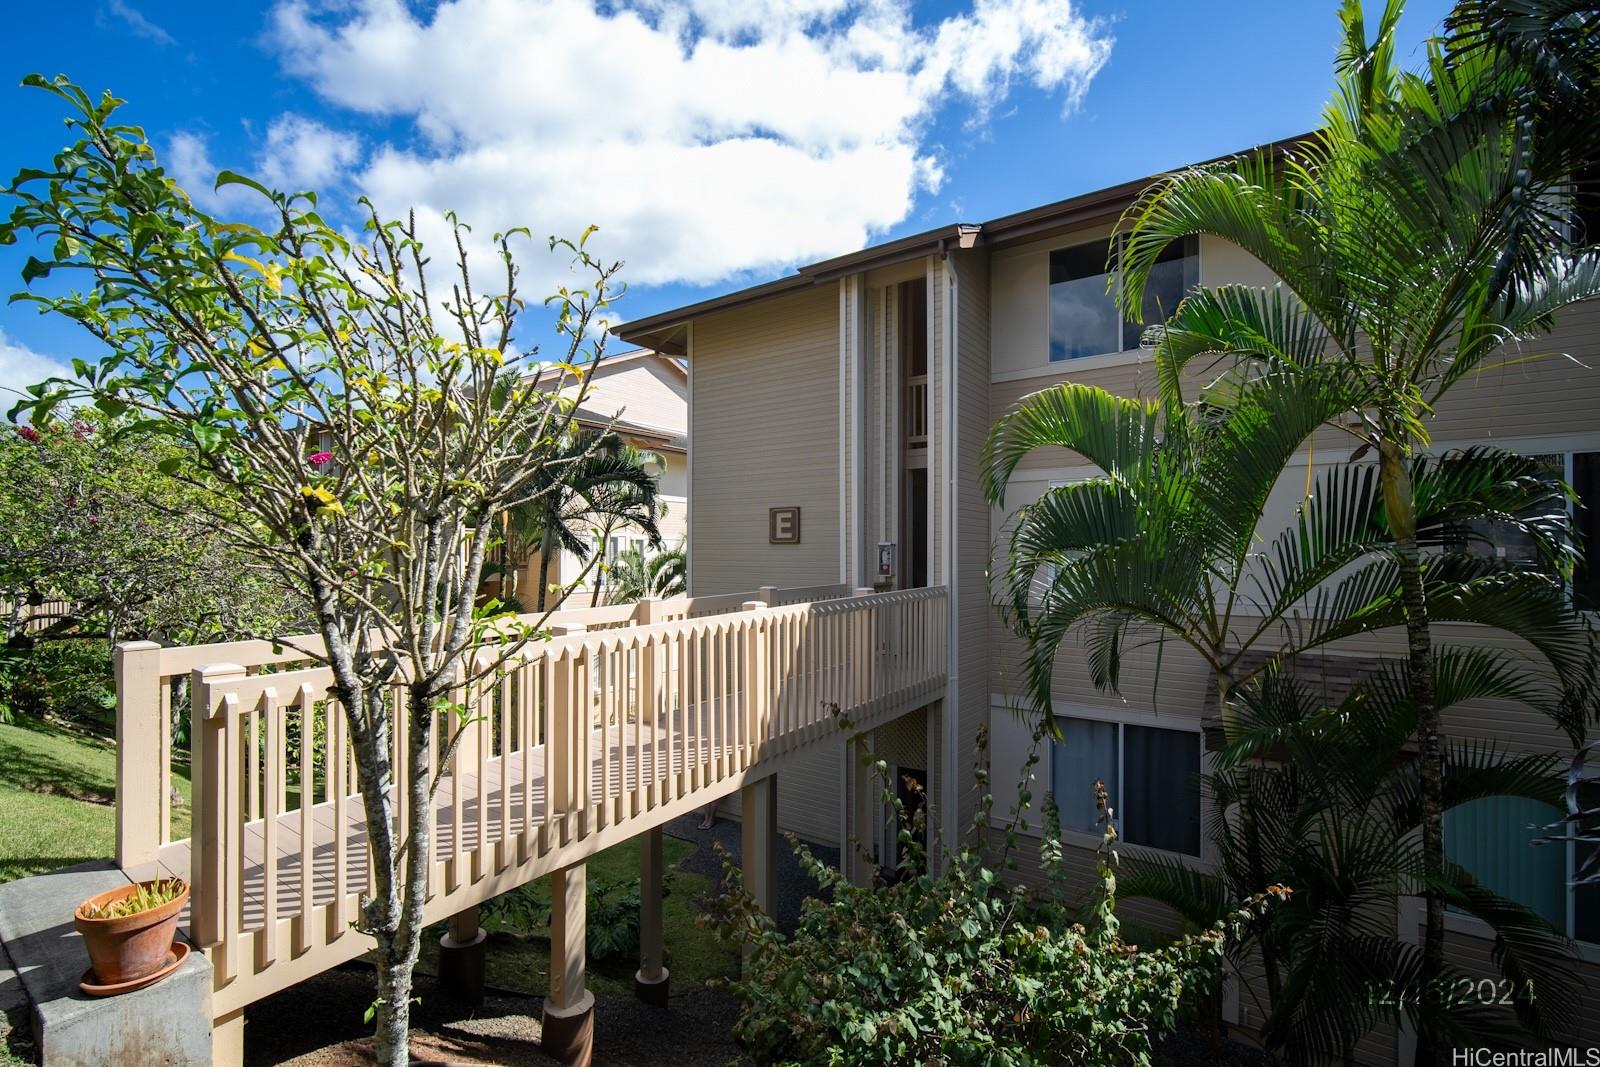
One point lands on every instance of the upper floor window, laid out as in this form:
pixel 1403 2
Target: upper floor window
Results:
pixel 1084 319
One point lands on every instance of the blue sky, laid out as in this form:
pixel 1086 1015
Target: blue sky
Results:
pixel 715 142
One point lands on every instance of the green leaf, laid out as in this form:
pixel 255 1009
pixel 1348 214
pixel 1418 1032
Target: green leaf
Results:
pixel 170 465
pixel 230 177
pixel 35 268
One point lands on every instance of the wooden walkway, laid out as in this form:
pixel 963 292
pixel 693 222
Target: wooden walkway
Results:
pixel 615 777
pixel 600 734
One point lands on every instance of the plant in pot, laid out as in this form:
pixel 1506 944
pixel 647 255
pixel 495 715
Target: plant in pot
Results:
pixel 129 932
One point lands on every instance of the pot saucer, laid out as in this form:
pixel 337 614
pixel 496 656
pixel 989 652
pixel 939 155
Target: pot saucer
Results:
pixel 175 958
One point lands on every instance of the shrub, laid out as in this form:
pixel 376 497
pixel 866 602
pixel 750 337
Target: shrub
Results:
pixel 57 679
pixel 612 915
pixel 958 967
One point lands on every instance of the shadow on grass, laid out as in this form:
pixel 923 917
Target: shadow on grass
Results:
pixel 39 770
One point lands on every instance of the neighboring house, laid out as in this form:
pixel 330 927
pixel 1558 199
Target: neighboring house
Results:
pixel 643 396
pixel 858 393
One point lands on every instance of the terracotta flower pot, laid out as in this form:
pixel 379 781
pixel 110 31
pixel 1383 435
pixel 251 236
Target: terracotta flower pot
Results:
pixel 129 947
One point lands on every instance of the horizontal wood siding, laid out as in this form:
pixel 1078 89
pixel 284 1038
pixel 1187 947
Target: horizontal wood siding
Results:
pixel 766 435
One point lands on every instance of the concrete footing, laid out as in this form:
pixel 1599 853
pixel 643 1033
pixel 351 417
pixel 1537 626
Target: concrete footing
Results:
pixel 462 967
pixel 167 1023
pixel 568 1033
pixel 653 991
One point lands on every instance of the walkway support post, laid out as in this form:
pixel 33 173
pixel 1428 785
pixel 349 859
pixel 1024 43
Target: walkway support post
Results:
pixel 759 828
pixel 463 954
pixel 650 983
pixel 227 1040
pixel 859 859
pixel 142 756
pixel 568 1030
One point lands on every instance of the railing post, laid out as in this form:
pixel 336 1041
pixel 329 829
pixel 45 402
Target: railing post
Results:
pixel 865 649
pixel 649 689
pixel 568 697
pixel 758 804
pixel 767 594
pixel 757 704
pixel 141 774
pixel 215 838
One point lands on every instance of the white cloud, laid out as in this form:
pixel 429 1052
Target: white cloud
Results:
pixel 135 20
pixel 21 366
pixel 705 137
pixel 298 153
pixel 302 153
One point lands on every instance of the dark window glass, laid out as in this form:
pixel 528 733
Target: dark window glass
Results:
pixel 1087 751
pixel 1083 320
pixel 1177 270
pixel 1493 839
pixel 1586 528
pixel 1502 541
pixel 1162 772
pixel 914 325
pixel 1586 207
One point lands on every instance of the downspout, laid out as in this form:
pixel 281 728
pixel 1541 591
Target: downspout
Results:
pixel 952 699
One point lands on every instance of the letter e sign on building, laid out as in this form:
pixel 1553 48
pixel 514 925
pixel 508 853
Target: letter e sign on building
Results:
pixel 783 526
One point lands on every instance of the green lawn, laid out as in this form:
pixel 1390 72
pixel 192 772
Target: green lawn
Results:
pixel 520 960
pixel 57 793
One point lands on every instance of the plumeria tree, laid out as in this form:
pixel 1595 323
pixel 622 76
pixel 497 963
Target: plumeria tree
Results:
pixel 356 417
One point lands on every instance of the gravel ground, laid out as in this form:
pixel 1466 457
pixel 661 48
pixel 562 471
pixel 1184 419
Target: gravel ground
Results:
pixel 794 885
pixel 318 1022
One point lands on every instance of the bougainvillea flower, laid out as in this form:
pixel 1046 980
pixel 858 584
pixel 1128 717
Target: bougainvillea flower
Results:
pixel 28 433
pixel 319 458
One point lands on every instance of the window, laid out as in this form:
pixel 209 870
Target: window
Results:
pixel 1152 774
pixel 1493 839
pixel 1084 320
pixel 1581 470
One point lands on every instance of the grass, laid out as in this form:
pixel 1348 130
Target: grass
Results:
pixel 57 798
pixel 519 960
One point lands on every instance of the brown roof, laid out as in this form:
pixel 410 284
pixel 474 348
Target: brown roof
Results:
pixel 666 331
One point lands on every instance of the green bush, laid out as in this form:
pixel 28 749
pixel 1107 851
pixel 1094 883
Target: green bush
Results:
pixel 612 915
pixel 958 967
pixel 58 679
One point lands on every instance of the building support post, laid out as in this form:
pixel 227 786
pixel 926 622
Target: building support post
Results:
pixel 759 811
pixel 463 952
pixel 860 861
pixel 568 1030
pixel 227 1040
pixel 650 983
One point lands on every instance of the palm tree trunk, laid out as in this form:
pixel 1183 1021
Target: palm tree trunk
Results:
pixel 1400 503
pixel 544 570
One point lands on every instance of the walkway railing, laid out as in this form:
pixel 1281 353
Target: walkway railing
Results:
pixel 628 717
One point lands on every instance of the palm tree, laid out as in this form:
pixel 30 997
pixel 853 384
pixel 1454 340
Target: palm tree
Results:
pixel 1167 542
pixel 1335 814
pixel 595 479
pixel 1417 236
pixel 635 575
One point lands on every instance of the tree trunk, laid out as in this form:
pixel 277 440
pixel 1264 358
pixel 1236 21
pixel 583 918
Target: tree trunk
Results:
pixel 380 906
pixel 544 569
pixel 1400 503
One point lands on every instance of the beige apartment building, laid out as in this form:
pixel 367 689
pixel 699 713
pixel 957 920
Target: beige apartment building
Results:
pixel 836 416
pixel 643 397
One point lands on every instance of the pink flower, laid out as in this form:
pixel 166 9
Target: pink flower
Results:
pixel 319 458
pixel 28 433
